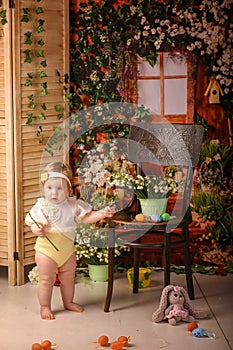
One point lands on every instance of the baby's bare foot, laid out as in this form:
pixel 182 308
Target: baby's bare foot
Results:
pixel 46 314
pixel 74 307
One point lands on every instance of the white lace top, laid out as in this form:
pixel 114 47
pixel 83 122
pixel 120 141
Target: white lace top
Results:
pixel 61 217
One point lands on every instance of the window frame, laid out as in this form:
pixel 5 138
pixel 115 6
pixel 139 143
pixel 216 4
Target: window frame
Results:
pixel 187 118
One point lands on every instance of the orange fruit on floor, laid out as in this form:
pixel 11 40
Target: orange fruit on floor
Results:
pixel 103 340
pixel 191 326
pixel 36 346
pixel 124 340
pixel 116 345
pixel 46 345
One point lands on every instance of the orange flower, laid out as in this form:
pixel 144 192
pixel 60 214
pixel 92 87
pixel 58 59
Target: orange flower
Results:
pixel 90 41
pixel 103 70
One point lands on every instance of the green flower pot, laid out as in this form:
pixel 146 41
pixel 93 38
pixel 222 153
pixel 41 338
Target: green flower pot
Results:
pixel 98 273
pixel 153 206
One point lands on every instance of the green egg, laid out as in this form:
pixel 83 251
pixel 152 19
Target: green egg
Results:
pixel 165 216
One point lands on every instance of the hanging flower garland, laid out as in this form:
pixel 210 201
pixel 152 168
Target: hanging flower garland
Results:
pixel 107 37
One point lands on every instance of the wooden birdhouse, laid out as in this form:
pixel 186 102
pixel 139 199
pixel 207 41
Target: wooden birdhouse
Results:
pixel 213 90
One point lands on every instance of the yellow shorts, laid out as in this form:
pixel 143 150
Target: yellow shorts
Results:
pixel 64 244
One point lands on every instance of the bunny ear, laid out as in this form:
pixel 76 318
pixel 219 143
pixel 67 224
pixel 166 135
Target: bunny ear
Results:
pixel 158 315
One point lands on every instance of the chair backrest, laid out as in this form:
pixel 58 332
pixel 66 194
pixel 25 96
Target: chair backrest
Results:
pixel 167 145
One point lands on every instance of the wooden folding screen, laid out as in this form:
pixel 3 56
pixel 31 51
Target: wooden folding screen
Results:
pixel 20 150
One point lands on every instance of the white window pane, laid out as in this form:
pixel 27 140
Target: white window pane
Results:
pixel 149 95
pixel 174 66
pixel 175 96
pixel 144 68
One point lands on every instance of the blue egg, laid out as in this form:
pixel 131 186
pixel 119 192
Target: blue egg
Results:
pixel 156 217
pixel 198 332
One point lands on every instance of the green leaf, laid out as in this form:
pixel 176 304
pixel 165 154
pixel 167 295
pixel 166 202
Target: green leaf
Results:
pixel 31 97
pixel 25 18
pixel 43 106
pixel 28 34
pixel 26 10
pixel 32 104
pixel 66 78
pixel 40 42
pixel 28 82
pixel 3 13
pixel 43 63
pixel 39 10
pixel 28 41
pixel 40 53
pixel 42 116
pixel 43 74
pixel 58 108
pixel 31 75
pixel 3 21
pixel 44 91
pixel 60 116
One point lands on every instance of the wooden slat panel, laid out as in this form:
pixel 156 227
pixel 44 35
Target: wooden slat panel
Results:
pixel 20 151
pixel 29 151
pixel 5 231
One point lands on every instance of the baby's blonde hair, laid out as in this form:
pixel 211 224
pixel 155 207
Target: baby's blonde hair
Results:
pixel 60 167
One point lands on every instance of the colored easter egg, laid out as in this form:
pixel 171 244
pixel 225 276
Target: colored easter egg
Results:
pixel 156 217
pixel 165 216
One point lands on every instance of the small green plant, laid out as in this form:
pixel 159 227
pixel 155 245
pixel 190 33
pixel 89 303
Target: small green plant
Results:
pixel 217 208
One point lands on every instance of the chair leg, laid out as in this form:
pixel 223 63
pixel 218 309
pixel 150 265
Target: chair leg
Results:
pixel 135 270
pixel 166 254
pixel 187 263
pixel 110 269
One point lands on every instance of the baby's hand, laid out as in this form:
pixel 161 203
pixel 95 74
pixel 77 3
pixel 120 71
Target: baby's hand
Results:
pixel 39 231
pixel 108 211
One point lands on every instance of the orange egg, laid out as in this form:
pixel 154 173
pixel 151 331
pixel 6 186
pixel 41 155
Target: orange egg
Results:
pixel 36 346
pixel 103 340
pixel 46 345
pixel 191 326
pixel 123 339
pixel 116 345
pixel 140 217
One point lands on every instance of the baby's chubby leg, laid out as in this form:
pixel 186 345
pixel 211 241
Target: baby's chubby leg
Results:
pixel 66 275
pixel 47 269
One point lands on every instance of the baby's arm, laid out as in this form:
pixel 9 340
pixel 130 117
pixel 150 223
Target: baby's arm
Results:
pixel 97 215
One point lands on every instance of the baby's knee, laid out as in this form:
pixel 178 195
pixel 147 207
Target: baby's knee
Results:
pixel 47 279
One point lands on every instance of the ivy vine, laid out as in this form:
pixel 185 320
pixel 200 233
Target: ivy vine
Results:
pixel 3 21
pixel 35 53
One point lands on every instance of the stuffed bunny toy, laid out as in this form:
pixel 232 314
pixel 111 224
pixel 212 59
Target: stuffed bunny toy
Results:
pixel 175 306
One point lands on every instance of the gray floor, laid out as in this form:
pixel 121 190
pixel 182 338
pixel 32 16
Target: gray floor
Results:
pixel 20 324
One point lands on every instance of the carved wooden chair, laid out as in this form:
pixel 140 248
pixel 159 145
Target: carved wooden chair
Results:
pixel 164 145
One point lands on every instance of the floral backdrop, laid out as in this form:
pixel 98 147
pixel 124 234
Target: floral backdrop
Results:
pixel 107 36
